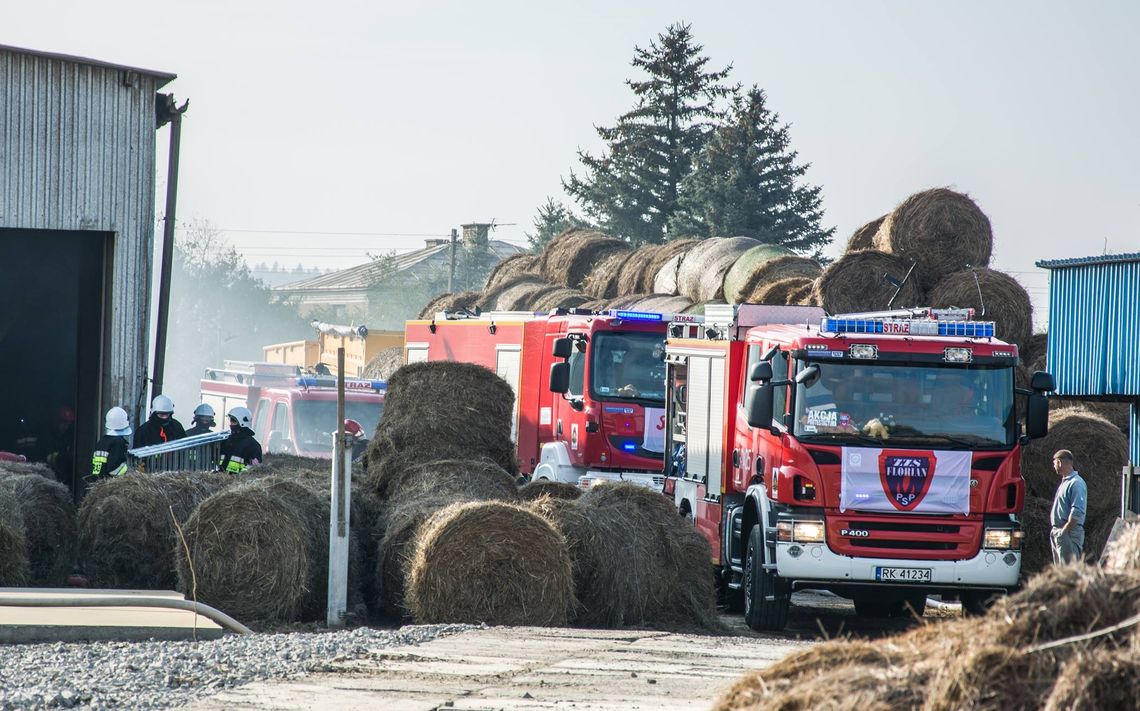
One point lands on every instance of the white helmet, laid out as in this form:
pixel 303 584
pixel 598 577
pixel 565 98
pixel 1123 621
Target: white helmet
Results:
pixel 117 422
pixel 162 404
pixel 242 415
pixel 203 410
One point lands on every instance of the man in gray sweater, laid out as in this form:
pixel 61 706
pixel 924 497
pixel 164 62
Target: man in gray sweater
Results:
pixel 1068 514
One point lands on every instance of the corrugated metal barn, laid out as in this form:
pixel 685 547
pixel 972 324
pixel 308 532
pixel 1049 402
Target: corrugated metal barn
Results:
pixel 1094 331
pixel 77 216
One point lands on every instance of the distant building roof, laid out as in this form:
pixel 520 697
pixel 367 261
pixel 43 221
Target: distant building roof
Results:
pixel 364 276
pixel 163 76
pixel 1089 261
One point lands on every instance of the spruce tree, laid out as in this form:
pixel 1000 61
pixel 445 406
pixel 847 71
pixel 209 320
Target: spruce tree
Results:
pixel 631 190
pixel 552 219
pixel 746 181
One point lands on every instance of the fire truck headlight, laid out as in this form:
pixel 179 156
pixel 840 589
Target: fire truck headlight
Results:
pixel 863 351
pixel 1003 539
pixel 958 355
pixel 808 532
pixel 784 531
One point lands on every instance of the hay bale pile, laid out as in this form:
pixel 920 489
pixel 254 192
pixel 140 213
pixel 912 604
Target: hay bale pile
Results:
pixel 570 257
pixel 511 267
pixel 856 282
pixel 635 561
pixel 50 524
pixel 127 531
pixel 1099 451
pixel 13 542
pixel 384 363
pixel 941 231
pixel 999 661
pixel 441 410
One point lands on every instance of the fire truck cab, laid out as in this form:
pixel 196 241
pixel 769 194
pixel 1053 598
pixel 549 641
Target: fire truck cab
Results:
pixel 589 386
pixel 294 412
pixel 873 455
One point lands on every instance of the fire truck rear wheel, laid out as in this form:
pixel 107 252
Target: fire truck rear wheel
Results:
pixel 759 612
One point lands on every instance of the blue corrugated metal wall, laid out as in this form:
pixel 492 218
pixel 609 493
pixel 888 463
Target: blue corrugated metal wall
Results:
pixel 1094 329
pixel 1134 430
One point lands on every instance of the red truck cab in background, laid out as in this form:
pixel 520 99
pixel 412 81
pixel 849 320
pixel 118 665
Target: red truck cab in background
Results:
pixel 294 412
pixel 873 455
pixel 604 418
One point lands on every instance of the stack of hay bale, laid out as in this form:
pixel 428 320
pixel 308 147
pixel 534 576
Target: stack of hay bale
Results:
pixel 454 545
pixel 1054 645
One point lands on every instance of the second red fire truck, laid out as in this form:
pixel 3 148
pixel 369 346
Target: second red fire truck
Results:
pixel 873 455
pixel 589 386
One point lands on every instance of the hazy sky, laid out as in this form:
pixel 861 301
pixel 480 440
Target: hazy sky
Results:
pixel 408 119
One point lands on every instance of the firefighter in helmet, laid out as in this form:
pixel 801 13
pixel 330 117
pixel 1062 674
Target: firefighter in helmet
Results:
pixel 359 441
pixel 240 450
pixel 110 456
pixel 203 421
pixel 161 427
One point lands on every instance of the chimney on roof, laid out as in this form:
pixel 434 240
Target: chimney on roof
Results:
pixel 476 234
pixel 436 241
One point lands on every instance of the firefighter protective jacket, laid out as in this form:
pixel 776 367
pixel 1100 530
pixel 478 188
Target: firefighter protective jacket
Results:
pixel 158 431
pixel 109 457
pixel 239 451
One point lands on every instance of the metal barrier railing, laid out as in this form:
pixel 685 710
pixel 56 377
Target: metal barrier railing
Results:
pixel 197 453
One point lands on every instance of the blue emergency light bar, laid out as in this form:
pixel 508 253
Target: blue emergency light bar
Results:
pixel 313 381
pixel 636 315
pixel 910 327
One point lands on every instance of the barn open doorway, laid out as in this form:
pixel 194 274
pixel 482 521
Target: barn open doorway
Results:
pixel 51 345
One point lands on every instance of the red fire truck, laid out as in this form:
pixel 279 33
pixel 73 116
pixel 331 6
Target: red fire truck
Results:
pixel 294 412
pixel 873 455
pixel 589 386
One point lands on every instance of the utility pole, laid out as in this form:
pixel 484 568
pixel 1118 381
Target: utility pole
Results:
pixel 166 111
pixel 451 271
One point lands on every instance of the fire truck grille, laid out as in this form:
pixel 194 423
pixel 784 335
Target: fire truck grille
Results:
pixel 906 545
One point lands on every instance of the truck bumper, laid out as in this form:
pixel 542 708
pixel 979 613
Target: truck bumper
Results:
pixel 650 480
pixel 816 563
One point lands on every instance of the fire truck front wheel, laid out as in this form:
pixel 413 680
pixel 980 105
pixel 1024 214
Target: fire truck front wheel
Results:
pixel 765 604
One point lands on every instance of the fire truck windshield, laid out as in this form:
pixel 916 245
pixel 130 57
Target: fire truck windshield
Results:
pixel 628 366
pixel 316 421
pixel 907 404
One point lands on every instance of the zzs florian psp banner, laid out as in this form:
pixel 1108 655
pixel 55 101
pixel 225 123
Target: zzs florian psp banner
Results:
pixel 910 480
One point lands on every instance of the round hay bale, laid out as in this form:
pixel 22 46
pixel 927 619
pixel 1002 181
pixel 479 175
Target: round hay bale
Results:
pixel 602 281
pixel 28 468
pixel 14 568
pixel 50 526
pixel 1099 451
pixel 1036 554
pixel 462 301
pixel 511 267
pixel 1034 350
pixel 127 534
pixel 520 296
pixel 665 282
pixel 259 550
pixel 1124 552
pixel 1114 412
pixel 570 257
pixel 447 481
pixel 701 274
pixel 855 282
pixel 492 563
pixel 441 410
pixel 661 303
pixel 1095 680
pixel 1006 302
pixel 636 561
pixel 804 295
pixel 739 280
pixel 538 488
pixel 778 269
pixel 633 271
pixel 562 297
pixel 490 298
pixel 779 292
pixel 941 230
pixel 384 363
pixel 656 260
pixel 864 237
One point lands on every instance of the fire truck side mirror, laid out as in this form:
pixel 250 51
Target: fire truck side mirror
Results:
pixel 560 378
pixel 760 371
pixel 758 406
pixel 1036 416
pixel 563 348
pixel 808 376
pixel 1042 382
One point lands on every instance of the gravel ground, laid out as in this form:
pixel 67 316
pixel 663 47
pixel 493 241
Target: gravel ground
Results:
pixel 163 674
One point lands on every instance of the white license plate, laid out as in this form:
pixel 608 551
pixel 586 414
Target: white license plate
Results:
pixel 907 575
